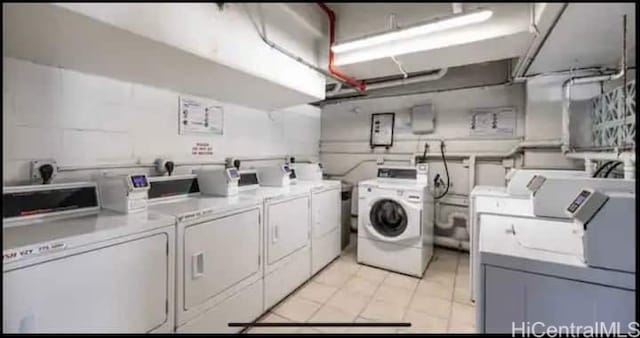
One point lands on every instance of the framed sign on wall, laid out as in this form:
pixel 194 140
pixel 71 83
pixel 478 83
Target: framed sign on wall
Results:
pixel 495 122
pixel 382 130
pixel 200 116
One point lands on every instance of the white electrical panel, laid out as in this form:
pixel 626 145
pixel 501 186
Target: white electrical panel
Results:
pixel 382 129
pixel 422 119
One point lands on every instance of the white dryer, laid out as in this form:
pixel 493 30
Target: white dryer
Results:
pixel 538 270
pixel 219 254
pixel 514 200
pixel 326 212
pixel 69 267
pixel 287 261
pixel 395 220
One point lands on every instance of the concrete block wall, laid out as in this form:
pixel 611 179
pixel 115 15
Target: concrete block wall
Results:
pixel 84 120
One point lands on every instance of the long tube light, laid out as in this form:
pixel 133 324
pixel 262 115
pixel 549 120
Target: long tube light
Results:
pixel 410 32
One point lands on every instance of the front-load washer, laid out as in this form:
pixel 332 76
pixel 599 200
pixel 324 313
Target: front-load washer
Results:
pixel 325 213
pixel 69 267
pixel 287 261
pixel 219 254
pixel 395 221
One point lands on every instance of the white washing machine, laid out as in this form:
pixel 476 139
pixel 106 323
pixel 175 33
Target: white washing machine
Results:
pixel 68 267
pixel 326 212
pixel 395 220
pixel 287 226
pixel 219 254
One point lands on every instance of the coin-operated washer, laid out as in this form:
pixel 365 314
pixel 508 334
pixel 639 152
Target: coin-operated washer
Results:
pixel 287 227
pixel 68 266
pixel 219 249
pixel 326 213
pixel 534 270
pixel 395 220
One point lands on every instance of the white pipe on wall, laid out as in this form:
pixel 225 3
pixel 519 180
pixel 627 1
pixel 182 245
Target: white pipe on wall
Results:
pixel 628 158
pixel 566 102
pixel 451 243
pixel 566 89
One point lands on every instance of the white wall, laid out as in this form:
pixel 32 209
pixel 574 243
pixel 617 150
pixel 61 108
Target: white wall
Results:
pixel 202 29
pixel 83 120
pixel 344 130
pixel 185 47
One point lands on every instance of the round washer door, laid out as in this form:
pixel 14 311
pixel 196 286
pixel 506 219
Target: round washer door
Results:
pixel 391 220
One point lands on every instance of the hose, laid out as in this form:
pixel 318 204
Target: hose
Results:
pixel 424 153
pixel 446 169
pixel 602 168
pixel 611 169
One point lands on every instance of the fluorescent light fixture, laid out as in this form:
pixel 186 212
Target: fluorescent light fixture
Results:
pixel 429 42
pixel 414 31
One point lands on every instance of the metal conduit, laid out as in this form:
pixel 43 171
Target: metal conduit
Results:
pixel 176 164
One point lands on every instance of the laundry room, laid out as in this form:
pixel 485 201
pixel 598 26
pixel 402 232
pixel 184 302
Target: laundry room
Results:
pixel 319 168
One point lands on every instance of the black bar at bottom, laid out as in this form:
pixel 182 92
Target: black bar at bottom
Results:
pixel 320 324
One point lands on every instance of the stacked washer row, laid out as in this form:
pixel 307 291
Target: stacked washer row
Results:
pixel 226 255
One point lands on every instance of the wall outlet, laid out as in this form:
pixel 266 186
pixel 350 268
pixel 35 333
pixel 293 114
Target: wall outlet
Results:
pixel 36 174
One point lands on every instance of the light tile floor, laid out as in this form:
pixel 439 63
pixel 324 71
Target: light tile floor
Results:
pixel 350 292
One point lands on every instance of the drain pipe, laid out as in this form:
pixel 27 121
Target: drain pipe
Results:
pixel 386 84
pixel 566 89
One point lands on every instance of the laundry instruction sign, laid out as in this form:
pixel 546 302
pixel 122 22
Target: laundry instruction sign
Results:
pixel 493 122
pixel 200 116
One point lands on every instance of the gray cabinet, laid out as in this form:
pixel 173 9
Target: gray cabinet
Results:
pixel 511 297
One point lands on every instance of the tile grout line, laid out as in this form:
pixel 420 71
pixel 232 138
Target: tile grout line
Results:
pixel 371 299
pixel 336 291
pixel 413 295
pixel 453 292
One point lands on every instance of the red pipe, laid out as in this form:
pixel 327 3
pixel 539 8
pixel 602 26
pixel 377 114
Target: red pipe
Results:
pixel 361 85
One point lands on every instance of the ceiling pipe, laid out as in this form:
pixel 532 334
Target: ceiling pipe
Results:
pixel 566 90
pixel 301 60
pixel 393 83
pixel 525 62
pixel 360 85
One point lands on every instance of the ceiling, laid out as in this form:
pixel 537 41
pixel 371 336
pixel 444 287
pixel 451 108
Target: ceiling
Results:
pixel 587 35
pixel 507 35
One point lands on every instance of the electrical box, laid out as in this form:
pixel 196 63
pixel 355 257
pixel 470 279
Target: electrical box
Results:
pixel 422 119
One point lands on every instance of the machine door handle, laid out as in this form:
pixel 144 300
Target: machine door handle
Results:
pixel 275 234
pixel 197 265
